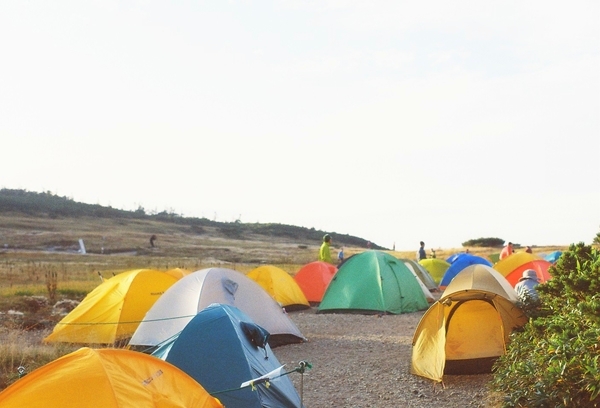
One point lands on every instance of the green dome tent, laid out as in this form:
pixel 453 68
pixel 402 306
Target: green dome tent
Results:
pixel 373 282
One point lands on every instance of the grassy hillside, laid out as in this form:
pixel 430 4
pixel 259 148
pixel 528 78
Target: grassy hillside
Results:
pixel 48 208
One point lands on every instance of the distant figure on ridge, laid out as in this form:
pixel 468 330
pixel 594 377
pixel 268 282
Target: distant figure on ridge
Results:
pixel 325 252
pixel 152 239
pixel 507 251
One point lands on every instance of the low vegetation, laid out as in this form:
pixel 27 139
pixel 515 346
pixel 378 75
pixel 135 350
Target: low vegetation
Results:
pixel 555 360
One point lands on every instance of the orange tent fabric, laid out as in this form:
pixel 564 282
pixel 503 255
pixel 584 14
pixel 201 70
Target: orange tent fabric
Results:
pixel 108 378
pixel 513 266
pixel 540 266
pixel 313 278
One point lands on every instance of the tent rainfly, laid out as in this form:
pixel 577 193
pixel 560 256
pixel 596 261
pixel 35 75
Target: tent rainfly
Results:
pixel 373 282
pixel 107 378
pixel 468 328
pixel 222 349
pixel 281 286
pixel 192 293
pixel 313 279
pixel 113 310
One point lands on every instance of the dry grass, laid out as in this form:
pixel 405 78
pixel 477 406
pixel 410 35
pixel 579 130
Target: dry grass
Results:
pixel 20 348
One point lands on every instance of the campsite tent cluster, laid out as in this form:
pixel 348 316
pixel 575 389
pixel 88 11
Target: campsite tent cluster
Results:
pixel 193 339
pixel 204 338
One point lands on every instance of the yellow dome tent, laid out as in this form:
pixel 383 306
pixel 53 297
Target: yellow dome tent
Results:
pixel 107 378
pixel 178 272
pixel 513 261
pixel 436 268
pixel 280 285
pixel 467 329
pixel 113 310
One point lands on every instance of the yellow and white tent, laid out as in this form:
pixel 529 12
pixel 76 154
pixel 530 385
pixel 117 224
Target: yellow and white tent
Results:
pixel 107 378
pixel 468 328
pixel 113 310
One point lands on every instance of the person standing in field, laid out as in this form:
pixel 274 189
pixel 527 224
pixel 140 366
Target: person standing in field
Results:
pixel 507 251
pixel 341 256
pixel 421 254
pixel 325 251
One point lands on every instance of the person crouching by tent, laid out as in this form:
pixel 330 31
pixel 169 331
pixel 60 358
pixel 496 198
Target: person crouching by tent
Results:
pixel 324 251
pixel 525 287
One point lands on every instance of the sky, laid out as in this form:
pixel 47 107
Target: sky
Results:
pixel 394 121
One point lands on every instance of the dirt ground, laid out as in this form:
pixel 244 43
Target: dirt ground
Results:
pixel 364 361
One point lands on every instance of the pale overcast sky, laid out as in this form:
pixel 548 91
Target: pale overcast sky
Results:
pixel 394 121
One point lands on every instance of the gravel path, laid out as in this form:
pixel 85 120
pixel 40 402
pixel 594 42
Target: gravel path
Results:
pixel 364 361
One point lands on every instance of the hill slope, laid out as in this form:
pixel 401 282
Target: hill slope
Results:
pixel 46 222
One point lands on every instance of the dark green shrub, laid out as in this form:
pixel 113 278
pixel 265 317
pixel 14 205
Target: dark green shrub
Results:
pixel 484 242
pixel 555 360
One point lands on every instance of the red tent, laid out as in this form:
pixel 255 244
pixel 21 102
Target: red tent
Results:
pixel 540 266
pixel 313 278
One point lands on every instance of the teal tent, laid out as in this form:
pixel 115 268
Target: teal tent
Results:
pixel 222 348
pixel 373 282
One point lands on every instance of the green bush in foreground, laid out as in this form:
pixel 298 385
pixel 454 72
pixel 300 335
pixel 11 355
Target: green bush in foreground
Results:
pixel 555 360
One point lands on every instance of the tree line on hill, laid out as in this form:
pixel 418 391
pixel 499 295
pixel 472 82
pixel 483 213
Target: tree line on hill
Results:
pixel 47 204
pixel 484 243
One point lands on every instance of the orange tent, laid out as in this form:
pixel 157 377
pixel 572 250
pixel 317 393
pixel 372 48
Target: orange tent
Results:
pixel 512 267
pixel 108 378
pixel 313 278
